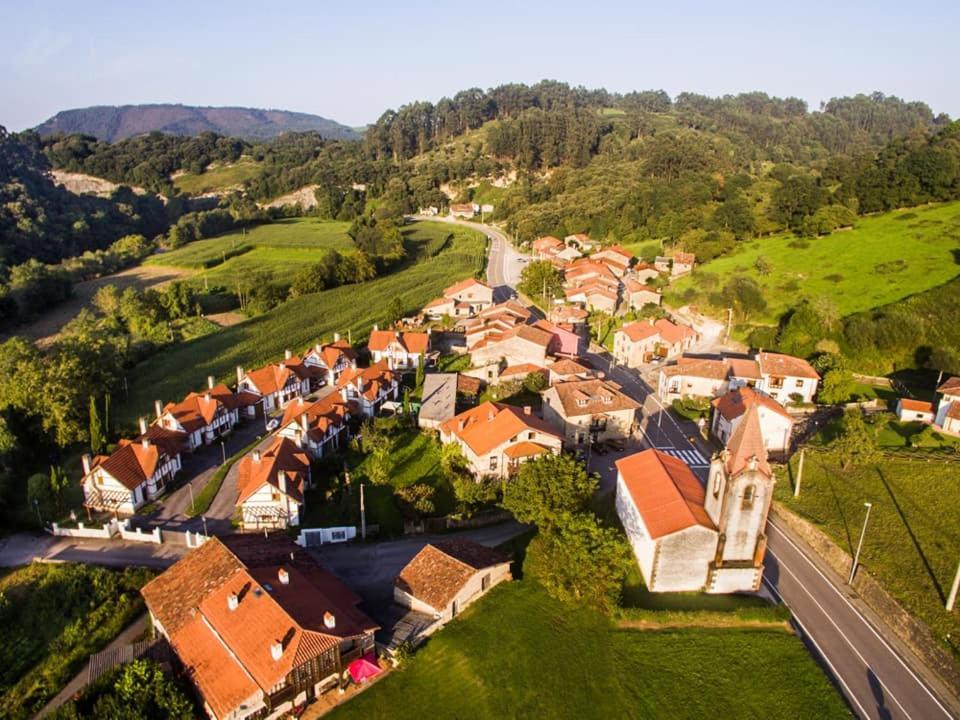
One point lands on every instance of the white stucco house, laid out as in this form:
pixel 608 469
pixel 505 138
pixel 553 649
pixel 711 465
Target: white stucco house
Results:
pixel 776 424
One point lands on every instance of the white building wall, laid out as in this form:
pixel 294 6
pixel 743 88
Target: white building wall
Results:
pixel 683 560
pixel 644 548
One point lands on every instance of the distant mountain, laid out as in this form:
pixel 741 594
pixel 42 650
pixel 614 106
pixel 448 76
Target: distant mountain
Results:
pixel 112 122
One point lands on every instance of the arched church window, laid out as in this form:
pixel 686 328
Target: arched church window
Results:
pixel 749 494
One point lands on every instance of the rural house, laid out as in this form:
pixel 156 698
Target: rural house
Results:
pixel 271 484
pixel 444 577
pixel 589 411
pixel 400 350
pixel 642 272
pixel 464 210
pixel 910 410
pixel 257 626
pixel 522 344
pixel 693 378
pixel 637 294
pixel 319 427
pixel 135 473
pixel 690 539
pixel 201 418
pixel 496 438
pixel 682 264
pixel 464 299
pixel 369 388
pixel 948 408
pixel 438 401
pixel 786 378
pixel 615 258
pixel 567 369
pixel 274 385
pixel 641 342
pixel 776 424
pixel 333 358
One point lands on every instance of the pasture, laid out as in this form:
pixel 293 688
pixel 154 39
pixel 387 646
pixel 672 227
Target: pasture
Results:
pixel 298 323
pixel 222 177
pixel 884 259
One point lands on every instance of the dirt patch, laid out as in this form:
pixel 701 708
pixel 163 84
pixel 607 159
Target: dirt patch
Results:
pixel 81 184
pixel 45 328
pixel 305 197
pixel 226 319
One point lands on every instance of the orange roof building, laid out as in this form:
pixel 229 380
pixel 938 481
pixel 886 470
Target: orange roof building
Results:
pixel 274 385
pixel 367 389
pixel 318 427
pixel 486 433
pixel 401 350
pixel 640 342
pixel 136 472
pixel 333 358
pixel 257 624
pixel 590 410
pixel 271 483
pixel 776 424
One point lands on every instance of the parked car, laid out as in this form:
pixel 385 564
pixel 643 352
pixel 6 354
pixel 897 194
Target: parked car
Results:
pixel 273 424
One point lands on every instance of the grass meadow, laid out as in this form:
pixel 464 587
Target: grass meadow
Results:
pixel 303 321
pixel 914 530
pixel 884 259
pixel 519 653
pixel 217 178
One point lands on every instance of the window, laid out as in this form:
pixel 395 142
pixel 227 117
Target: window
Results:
pixel 531 435
pixel 800 384
pixel 485 582
pixel 716 485
pixel 776 382
pixel 275 496
pixel 581 403
pixel 493 462
pixel 749 495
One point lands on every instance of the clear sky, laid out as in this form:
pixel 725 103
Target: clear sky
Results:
pixel 351 60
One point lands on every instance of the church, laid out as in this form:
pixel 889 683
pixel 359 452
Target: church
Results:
pixel 687 537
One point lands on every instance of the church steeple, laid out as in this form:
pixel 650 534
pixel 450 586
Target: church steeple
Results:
pixel 746 450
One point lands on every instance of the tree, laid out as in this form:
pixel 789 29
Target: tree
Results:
pixel 541 279
pixel 378 447
pixel 395 311
pixel 535 382
pixel 856 443
pixel 763 265
pixel 744 295
pixel 97 438
pixel 417 498
pixel 421 361
pixel 837 387
pixel 580 562
pixel 549 489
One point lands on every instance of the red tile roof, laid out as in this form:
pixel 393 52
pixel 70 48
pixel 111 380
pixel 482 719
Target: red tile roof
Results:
pixel 669 332
pixel 950 387
pixel 916 405
pixel 736 402
pixel 132 463
pixel 746 445
pixel 195 410
pixel 331 353
pixel 270 378
pixel 785 366
pixel 439 571
pixel 684 258
pixel 743 368
pixel 591 397
pixel 490 425
pixel 666 493
pixel 547 241
pixel 463 285
pixel 227 652
pixel 413 343
pixel 697 367
pixel 283 455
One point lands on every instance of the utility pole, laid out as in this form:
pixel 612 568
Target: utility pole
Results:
pixel 856 557
pixel 729 323
pixel 363 515
pixel 951 601
pixel 203 519
pixel 36 506
pixel 796 487
pixel 223 451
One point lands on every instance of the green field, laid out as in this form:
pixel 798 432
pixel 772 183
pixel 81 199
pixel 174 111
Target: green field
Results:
pixel 914 531
pixel 298 323
pixel 884 259
pixel 518 653
pixel 217 178
pixel 282 235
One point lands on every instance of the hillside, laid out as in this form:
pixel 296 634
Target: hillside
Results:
pixel 112 122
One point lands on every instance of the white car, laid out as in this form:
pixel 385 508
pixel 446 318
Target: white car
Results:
pixel 273 424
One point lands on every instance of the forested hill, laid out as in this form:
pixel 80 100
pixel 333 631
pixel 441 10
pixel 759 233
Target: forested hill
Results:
pixel 112 123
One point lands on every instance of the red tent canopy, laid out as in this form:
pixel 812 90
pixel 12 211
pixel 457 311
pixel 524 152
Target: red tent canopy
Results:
pixel 364 668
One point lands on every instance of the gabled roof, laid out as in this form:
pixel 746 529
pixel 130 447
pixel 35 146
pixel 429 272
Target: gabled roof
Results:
pixel 567 366
pixel 331 353
pixel 440 570
pixel 195 410
pixel 327 412
pixel 132 463
pixel 669 332
pixel 591 397
pixel 916 405
pixel 464 285
pixel 270 378
pixel 439 396
pixel 283 455
pixel 372 379
pixel 736 402
pixel 951 386
pixel 666 493
pixel 684 258
pixel 697 367
pixel 547 241
pixel 413 343
pixel 635 286
pixel 490 424
pixel 568 314
pixel 785 366
pixel 746 447
pixel 523 369
pixel 227 652
pixel 743 368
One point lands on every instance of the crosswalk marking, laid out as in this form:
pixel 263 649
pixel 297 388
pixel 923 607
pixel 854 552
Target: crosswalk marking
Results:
pixel 693 458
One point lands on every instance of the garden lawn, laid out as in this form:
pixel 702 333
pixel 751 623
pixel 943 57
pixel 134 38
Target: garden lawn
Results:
pixel 222 177
pixel 884 259
pixel 52 617
pixel 290 234
pixel 299 323
pixel 914 531
pixel 517 653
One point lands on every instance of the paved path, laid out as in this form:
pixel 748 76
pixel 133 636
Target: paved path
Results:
pixel 127 636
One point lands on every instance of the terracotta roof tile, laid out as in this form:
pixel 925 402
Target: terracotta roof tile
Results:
pixel 736 402
pixel 591 397
pixel 440 570
pixel 951 386
pixel 666 493
pixel 283 455
pixel 746 445
pixel 413 343
pixel 463 285
pixel 490 425
pixel 785 366
pixel 916 405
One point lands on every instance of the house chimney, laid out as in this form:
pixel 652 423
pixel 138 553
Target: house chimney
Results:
pixel 158 408
pixel 282 481
pixel 287 354
pixel 305 422
pixel 375 327
pixel 143 425
pixel 232 601
pixel 329 620
pixel 336 337
pixel 527 410
pixel 206 396
pixel 283 366
pixel 145 442
pixel 210 382
pixel 256 456
pixel 239 373
pixel 87 461
pixel 283 576
pixel 318 348
pixel 650 320
pixel 276 650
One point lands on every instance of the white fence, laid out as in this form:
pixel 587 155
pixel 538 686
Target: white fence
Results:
pixel 322 536
pixel 104 532
pixel 138 535
pixel 195 539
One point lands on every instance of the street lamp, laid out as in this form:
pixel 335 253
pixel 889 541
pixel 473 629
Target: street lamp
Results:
pixel 193 504
pixel 856 557
pixel 36 506
pixel 223 451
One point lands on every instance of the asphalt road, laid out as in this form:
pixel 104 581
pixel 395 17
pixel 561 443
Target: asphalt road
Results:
pixel 878 681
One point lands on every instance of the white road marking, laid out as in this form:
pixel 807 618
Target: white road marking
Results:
pixel 693 458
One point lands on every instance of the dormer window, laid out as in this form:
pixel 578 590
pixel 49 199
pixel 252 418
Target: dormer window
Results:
pixel 581 402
